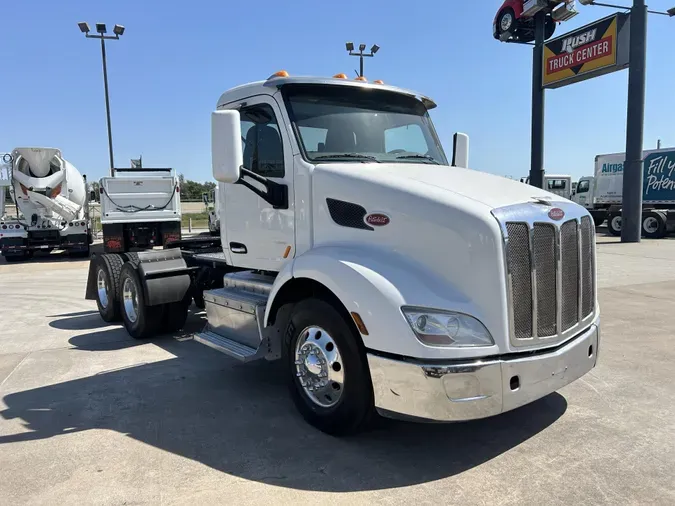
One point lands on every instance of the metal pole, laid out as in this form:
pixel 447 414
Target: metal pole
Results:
pixel 361 64
pixel 538 111
pixel 107 105
pixel 631 217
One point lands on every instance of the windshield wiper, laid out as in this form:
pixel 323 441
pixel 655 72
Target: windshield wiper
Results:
pixel 348 155
pixel 425 157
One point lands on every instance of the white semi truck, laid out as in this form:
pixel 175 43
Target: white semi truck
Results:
pixel 601 194
pixel 386 280
pixel 52 205
pixel 140 209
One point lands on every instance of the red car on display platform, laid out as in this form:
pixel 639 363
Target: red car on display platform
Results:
pixel 514 21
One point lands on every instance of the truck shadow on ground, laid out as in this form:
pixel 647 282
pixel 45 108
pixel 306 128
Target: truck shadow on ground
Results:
pixel 239 419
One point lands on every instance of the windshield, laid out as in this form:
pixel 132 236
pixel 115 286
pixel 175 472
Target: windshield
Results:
pixel 341 123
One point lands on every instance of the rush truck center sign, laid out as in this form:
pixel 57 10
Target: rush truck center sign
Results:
pixel 590 51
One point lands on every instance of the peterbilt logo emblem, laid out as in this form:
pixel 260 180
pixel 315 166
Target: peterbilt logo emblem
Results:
pixel 556 214
pixel 377 219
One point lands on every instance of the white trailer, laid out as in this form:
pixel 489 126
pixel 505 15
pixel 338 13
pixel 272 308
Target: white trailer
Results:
pixel 385 280
pixel 140 209
pixel 52 205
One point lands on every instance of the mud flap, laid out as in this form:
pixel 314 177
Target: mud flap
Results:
pixel 165 276
pixel 91 291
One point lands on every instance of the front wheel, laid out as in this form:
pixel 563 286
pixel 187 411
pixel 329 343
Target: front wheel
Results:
pixel 327 368
pixel 506 22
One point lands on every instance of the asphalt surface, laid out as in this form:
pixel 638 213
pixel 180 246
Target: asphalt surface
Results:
pixel 90 416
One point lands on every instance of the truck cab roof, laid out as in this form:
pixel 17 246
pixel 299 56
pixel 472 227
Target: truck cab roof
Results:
pixel 275 81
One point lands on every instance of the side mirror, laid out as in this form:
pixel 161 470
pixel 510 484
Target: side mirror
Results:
pixel 460 150
pixel 205 199
pixel 226 154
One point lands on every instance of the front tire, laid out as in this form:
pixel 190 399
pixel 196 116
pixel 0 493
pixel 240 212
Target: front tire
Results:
pixel 506 23
pixel 140 320
pixel 108 268
pixel 327 368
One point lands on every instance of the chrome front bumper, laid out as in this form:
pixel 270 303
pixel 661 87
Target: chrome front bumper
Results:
pixel 465 391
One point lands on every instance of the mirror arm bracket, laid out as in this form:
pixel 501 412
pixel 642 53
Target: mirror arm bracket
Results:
pixel 276 194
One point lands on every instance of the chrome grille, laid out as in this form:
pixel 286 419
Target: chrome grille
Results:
pixel 569 260
pixel 521 283
pixel 587 267
pixel 551 274
pixel 545 278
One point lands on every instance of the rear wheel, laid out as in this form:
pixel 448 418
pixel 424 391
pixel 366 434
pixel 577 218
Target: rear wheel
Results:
pixel 653 225
pixel 108 269
pixel 614 224
pixel 327 368
pixel 140 320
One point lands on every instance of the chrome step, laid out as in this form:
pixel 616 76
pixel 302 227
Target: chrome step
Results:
pixel 227 346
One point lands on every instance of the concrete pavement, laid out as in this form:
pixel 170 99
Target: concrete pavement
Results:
pixel 90 416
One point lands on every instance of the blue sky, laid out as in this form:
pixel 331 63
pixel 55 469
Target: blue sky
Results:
pixel 176 58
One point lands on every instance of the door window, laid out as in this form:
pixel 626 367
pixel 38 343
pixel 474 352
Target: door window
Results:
pixel 583 186
pixel 261 141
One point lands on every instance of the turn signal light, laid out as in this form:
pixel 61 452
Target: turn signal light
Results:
pixel 56 191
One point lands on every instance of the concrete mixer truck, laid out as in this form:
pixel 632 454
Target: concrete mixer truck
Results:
pixel 51 201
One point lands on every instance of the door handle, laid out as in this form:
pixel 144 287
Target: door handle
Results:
pixel 237 247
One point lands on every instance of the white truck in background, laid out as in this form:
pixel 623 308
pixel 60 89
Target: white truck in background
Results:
pixel 601 194
pixel 558 184
pixel 140 209
pixel 52 205
pixel 385 280
pixel 212 204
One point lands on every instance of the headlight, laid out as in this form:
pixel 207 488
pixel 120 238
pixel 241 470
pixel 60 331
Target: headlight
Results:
pixel 447 328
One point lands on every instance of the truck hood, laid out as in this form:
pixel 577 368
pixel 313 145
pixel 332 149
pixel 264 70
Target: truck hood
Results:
pixel 488 189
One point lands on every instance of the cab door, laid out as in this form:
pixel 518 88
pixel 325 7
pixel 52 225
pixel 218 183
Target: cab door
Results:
pixel 260 235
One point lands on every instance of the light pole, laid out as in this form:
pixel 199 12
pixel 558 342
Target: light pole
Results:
pixel 361 54
pixel 118 30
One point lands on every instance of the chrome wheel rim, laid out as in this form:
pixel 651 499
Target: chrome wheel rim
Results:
pixel 616 223
pixel 130 300
pixel 651 225
pixel 102 288
pixel 507 21
pixel 319 367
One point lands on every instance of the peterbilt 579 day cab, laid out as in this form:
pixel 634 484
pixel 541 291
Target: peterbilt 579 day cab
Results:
pixel 384 278
pixel 140 209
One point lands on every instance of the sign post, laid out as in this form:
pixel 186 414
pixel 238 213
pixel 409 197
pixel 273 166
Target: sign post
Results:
pixel 631 210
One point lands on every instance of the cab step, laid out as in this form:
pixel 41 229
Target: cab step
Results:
pixel 236 315
pixel 227 346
